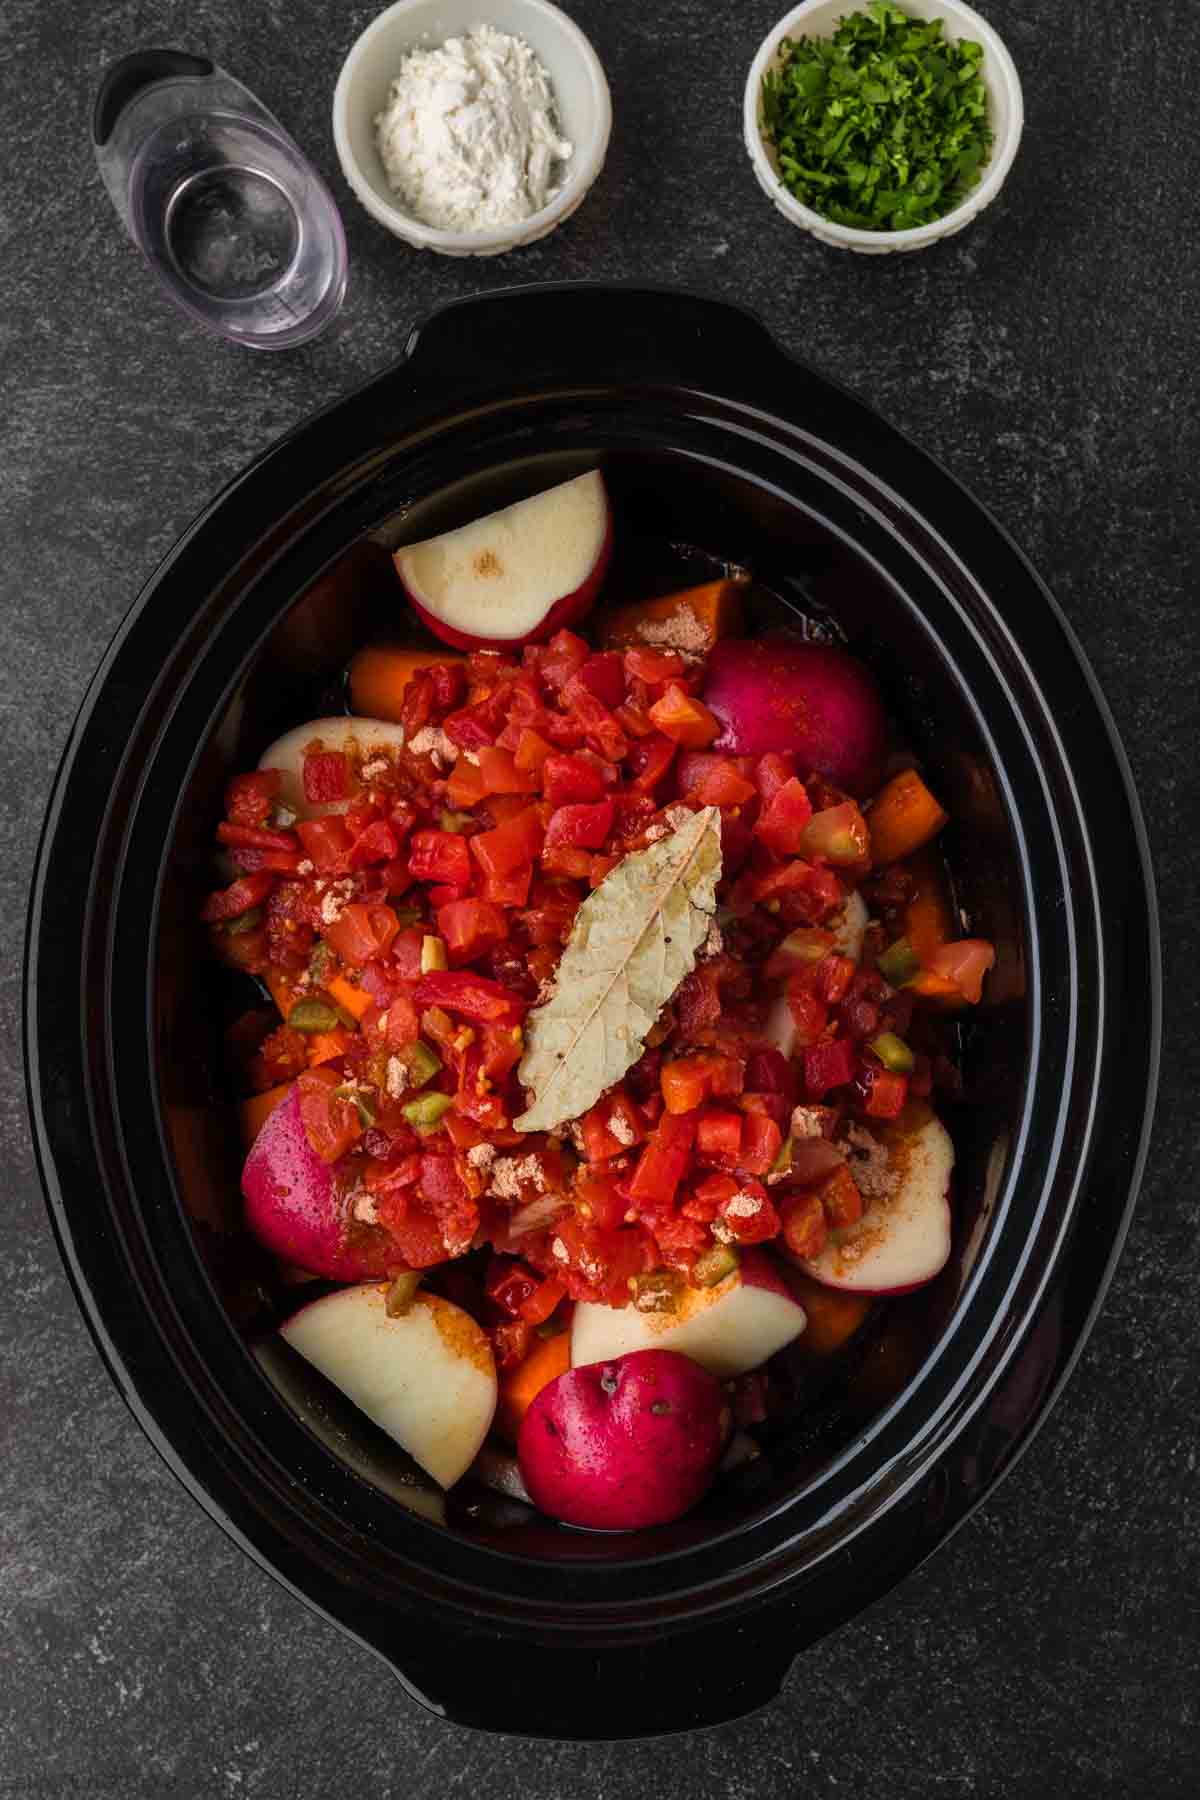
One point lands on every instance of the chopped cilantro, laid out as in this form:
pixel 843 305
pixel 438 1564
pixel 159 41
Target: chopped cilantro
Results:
pixel 882 126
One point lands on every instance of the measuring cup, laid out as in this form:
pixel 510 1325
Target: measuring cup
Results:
pixel 236 224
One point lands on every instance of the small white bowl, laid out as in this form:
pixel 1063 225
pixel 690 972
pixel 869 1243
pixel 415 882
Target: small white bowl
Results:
pixel 580 90
pixel 1006 114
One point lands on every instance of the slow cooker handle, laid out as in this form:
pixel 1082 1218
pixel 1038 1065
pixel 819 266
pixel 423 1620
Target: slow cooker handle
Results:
pixel 687 1682
pixel 595 333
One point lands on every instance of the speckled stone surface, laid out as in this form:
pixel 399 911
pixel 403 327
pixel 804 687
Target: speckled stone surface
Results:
pixel 1048 355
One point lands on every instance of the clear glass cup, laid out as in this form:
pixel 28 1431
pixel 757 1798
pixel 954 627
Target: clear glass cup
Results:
pixel 238 227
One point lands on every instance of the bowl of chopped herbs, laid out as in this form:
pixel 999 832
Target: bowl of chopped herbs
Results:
pixel 883 128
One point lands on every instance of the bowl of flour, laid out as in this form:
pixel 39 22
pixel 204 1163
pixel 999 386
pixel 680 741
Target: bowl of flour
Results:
pixel 471 127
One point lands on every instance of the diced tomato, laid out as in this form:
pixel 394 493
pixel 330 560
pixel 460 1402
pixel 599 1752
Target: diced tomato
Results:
pixel 685 1083
pixel 406 952
pixel 770 1072
pixel 510 890
pixel 326 777
pixel 719 1133
pixel 810 1015
pixel 561 658
pixel 601 729
pixel 964 963
pixel 392 1024
pixel 748 1217
pixel 229 903
pixel 500 774
pixel 362 932
pixel 649 759
pixel 501 1050
pixel 508 1283
pixel 708 1196
pixel 600 867
pixel 782 822
pixel 829 1064
pixel 377 844
pixel 530 752
pixel 439 856
pixel 253 837
pixel 663 1163
pixel 805 1231
pixel 474 996
pixel 839 834
pixel 469 729
pixel 464 787
pixel 840 1198
pixel 634 719
pixel 580 827
pixel 772 772
pixel 509 846
pixel 762 1140
pixel 686 720
pixel 249 798
pixel 568 780
pixel 561 860
pixel 604 676
pixel 538 1306
pixel 469 927
pixel 326 841
pixel 723 785
pixel 449 684
pixel 253 861
pixel 654 666
pixel 331 1124
pixel 886 1093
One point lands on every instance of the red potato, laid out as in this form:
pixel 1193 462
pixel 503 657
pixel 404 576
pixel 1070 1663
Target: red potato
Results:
pixel 292 1205
pixel 616 1446
pixel 516 576
pixel 811 699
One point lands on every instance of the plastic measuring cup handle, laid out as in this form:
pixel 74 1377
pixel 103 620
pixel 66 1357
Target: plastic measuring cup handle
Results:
pixel 130 74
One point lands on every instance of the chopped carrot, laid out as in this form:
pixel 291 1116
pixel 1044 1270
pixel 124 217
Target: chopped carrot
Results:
pixel 254 1113
pixel 380 673
pixel 355 1000
pixel 928 986
pixel 928 920
pixel 700 615
pixel 833 1315
pixel 327 1046
pixel 520 1387
pixel 903 816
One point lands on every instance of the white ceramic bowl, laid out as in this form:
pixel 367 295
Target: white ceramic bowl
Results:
pixel 580 88
pixel 1006 112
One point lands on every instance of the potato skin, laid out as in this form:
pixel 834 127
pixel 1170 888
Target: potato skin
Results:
pixel 814 700
pixel 621 1445
pixel 292 1204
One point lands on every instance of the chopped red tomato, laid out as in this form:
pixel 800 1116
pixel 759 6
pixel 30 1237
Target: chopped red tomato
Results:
pixel 331 1123
pixel 250 798
pixel 474 996
pixel 238 898
pixel 684 719
pixel 440 856
pixel 326 777
pixel 580 827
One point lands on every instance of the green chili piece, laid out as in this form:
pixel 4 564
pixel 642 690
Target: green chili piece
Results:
pixel 892 1052
pixel 421 1062
pixel 402 1293
pixel 455 821
pixel 313 1015
pixel 783 1160
pixel 657 1292
pixel 360 1101
pixel 247 921
pixel 714 1265
pixel 426 1111
pixel 899 963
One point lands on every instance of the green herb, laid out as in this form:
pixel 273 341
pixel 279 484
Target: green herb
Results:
pixel 884 125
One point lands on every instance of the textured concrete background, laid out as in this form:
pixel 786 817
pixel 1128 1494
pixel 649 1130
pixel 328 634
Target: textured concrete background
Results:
pixel 1048 356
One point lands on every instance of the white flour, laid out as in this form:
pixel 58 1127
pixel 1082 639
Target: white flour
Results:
pixel 468 137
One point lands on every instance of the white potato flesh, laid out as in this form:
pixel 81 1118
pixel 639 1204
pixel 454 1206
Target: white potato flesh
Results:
pixel 499 576
pixel 728 1329
pixel 364 739
pixel 903 1238
pixel 427 1378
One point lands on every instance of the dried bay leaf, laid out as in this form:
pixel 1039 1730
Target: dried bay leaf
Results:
pixel 634 939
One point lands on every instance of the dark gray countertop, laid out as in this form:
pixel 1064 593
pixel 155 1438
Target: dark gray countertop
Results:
pixel 1048 356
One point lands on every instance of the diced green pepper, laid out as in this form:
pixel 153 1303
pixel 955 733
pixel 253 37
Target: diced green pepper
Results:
pixel 783 1160
pixel 426 1111
pixel 402 1293
pixel 657 1292
pixel 360 1101
pixel 433 955
pixel 892 1052
pixel 714 1265
pixel 313 1015
pixel 554 1326
pixel 455 821
pixel 899 963
pixel 408 915
pixel 247 921
pixel 421 1063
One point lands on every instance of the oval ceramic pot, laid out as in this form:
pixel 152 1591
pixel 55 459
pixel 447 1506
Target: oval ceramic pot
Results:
pixel 710 436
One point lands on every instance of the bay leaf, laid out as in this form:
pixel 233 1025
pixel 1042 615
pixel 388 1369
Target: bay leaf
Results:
pixel 634 939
